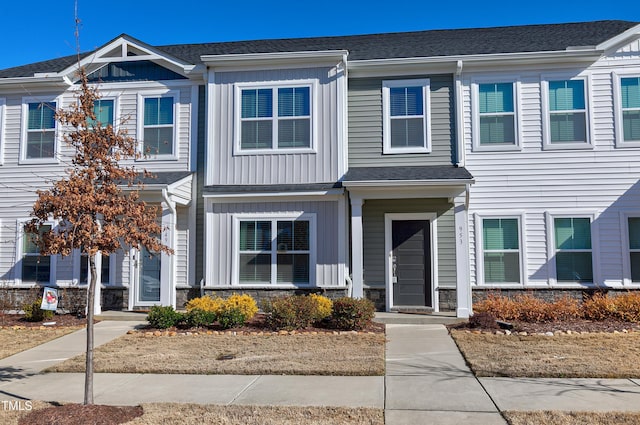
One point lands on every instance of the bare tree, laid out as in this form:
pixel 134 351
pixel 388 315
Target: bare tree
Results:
pixel 96 206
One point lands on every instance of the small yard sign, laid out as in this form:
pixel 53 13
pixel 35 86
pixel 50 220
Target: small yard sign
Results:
pixel 49 299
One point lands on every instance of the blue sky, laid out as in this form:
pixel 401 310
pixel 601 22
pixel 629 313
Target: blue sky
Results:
pixel 40 30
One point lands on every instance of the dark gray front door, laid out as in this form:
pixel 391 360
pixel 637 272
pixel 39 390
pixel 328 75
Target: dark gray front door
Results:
pixel 411 263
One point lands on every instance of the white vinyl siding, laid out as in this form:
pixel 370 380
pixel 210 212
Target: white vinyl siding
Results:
pixel 406 106
pixel 274 118
pixel 275 250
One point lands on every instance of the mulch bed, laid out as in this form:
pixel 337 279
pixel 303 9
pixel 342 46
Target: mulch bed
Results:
pixel 61 320
pixel 73 414
pixel 565 325
pixel 259 324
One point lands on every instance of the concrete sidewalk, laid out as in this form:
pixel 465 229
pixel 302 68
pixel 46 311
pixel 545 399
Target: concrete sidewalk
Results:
pixel 427 381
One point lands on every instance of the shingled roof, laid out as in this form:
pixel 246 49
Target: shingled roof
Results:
pixel 434 43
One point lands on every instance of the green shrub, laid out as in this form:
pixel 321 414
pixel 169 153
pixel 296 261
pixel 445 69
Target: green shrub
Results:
pixel 231 317
pixel 196 318
pixel 163 317
pixel 352 313
pixel 291 312
pixel 33 312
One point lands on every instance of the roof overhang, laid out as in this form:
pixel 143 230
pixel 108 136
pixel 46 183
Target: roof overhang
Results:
pixel 302 59
pixel 178 187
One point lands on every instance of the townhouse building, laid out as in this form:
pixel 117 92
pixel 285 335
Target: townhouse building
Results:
pixel 416 169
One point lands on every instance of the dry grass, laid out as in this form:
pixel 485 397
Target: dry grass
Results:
pixel 322 354
pixel 13 341
pixel 187 414
pixel 572 418
pixel 594 355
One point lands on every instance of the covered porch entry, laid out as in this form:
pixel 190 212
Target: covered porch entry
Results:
pixel 409 246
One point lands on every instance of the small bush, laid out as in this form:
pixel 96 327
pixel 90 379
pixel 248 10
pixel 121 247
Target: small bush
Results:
pixel 628 306
pixel 599 307
pixel 502 308
pixel 33 312
pixel 531 309
pixel 245 303
pixel 483 321
pixel 205 303
pixel 290 312
pixel 231 317
pixel 565 308
pixel 163 317
pixel 352 313
pixel 196 318
pixel 323 306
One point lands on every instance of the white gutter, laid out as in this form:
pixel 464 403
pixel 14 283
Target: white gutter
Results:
pixel 57 80
pixel 393 183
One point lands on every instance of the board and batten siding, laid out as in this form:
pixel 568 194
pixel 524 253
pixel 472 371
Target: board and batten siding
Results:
pixel 374 233
pixel 220 215
pixel 365 124
pixel 19 182
pixel 225 167
pixel 603 181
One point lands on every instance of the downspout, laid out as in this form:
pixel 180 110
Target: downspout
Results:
pixel 459 99
pixel 174 243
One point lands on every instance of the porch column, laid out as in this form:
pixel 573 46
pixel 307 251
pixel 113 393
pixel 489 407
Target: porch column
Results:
pixel 357 259
pixel 463 281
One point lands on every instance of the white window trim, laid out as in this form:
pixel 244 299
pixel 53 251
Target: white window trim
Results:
pixel 116 109
pixel 475 111
pixel 479 246
pixel 24 124
pixel 274 86
pixel 626 251
pixel 140 124
pixel 546 120
pixel 313 248
pixel 386 115
pixel 77 258
pixel 616 76
pixel 551 250
pixel 19 255
pixel 3 107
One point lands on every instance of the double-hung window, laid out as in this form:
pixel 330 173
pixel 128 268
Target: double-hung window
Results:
pixel 36 268
pixel 567 122
pixel 406 107
pixel 275 118
pixel 634 247
pixel 573 251
pixel 496 115
pixel 630 104
pixel 275 251
pixel 104 271
pixel 501 250
pixel 104 109
pixel 2 109
pixel 40 131
pixel 158 125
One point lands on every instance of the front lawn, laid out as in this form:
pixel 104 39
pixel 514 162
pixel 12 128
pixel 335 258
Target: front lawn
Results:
pixel 14 339
pixel 572 418
pixel 591 355
pixel 299 354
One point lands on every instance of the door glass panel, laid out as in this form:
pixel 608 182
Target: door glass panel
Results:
pixel 149 276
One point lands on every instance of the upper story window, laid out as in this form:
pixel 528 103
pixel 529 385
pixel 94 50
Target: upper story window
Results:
pixel 567 114
pixel 105 112
pixel 406 115
pixel 2 108
pixel 157 127
pixel 39 136
pixel 497 121
pixel 275 118
pixel 630 103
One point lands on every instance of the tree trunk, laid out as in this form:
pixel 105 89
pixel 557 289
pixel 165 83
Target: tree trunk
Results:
pixel 91 300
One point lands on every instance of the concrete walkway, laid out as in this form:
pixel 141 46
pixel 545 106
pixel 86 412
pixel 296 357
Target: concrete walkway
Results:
pixel 427 381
